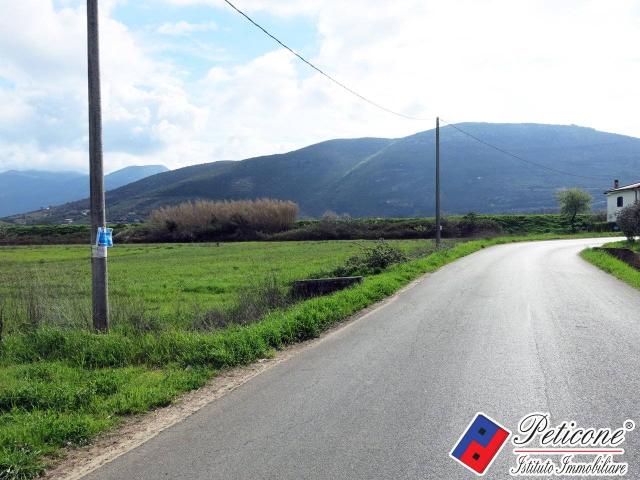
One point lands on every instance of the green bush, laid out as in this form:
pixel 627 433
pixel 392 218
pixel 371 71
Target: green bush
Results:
pixel 628 221
pixel 371 260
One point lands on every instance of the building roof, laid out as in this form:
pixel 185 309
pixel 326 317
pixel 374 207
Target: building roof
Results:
pixel 633 186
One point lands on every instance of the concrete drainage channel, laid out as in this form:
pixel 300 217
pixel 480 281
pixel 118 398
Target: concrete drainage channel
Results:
pixel 316 287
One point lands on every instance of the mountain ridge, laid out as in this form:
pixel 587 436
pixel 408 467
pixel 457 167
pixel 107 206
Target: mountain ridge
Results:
pixel 24 190
pixel 394 177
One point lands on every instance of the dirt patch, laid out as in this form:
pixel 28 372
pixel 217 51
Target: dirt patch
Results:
pixel 78 462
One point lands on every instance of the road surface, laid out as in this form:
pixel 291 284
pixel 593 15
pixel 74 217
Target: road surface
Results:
pixel 509 330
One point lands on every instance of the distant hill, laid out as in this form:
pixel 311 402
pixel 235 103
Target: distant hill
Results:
pixel 395 177
pixel 23 191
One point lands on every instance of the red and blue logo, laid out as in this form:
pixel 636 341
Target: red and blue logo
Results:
pixel 479 445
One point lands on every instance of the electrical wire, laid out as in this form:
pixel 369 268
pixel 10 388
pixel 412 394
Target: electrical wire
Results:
pixel 518 157
pixel 399 114
pixel 322 72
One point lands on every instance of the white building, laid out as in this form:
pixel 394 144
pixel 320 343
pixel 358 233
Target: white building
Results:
pixel 619 197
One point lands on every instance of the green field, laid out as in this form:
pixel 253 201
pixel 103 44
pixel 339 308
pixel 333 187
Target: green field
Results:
pixel 166 283
pixel 61 384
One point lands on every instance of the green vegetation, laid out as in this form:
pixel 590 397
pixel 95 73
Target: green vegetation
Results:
pixel 156 285
pixel 61 384
pixel 631 245
pixel 612 265
pixel 330 227
pixel 48 405
pixel 372 260
pixel 43 234
pixel 466 226
pixel 551 223
pixel 573 202
pixel 628 220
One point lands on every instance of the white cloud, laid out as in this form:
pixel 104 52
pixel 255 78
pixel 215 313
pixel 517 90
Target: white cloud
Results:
pixel 544 61
pixel 287 8
pixel 44 116
pixel 184 28
pixel 498 60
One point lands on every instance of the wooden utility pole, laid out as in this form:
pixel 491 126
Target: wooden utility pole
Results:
pixel 98 218
pixel 438 226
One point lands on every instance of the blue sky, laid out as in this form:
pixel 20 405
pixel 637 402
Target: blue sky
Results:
pixel 191 81
pixel 219 36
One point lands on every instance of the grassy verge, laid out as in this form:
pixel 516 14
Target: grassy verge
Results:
pixel 612 265
pixel 63 387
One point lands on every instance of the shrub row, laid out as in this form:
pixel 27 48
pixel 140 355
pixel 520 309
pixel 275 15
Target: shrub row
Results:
pixel 397 229
pixel 275 220
pixel 47 234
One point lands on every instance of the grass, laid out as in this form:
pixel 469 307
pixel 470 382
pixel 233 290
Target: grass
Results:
pixel 167 283
pixel 48 405
pixel 63 386
pixel 614 266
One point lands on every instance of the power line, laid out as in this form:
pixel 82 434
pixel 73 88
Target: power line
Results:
pixel 319 70
pixel 518 157
pixel 402 115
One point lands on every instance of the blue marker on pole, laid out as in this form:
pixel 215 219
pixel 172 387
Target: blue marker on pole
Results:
pixel 104 237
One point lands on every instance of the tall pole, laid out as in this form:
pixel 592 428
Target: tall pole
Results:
pixel 438 226
pixel 98 218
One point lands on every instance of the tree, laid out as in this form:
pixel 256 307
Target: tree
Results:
pixel 573 201
pixel 628 221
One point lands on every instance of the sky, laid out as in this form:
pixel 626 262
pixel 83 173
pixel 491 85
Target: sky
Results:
pixel 191 81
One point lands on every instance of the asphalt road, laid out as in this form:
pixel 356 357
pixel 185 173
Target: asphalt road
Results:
pixel 509 330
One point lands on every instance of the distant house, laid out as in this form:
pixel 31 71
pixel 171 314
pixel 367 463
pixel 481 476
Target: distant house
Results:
pixel 619 197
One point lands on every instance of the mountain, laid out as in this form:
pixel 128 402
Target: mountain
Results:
pixel 395 177
pixel 23 191
pixel 131 174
